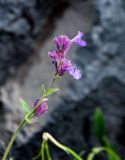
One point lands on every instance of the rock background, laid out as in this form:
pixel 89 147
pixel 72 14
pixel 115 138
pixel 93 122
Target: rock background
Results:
pixel 25 59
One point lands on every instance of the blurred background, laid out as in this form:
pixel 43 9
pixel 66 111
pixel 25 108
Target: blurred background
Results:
pixel 27 28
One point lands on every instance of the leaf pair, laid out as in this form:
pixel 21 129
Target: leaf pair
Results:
pixel 45 92
pixel 49 91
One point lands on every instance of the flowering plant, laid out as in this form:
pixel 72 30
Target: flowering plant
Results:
pixel 62 66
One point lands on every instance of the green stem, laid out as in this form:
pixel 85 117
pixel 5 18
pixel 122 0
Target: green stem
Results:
pixel 39 102
pixel 13 139
pixel 70 151
pixel 47 151
pixel 38 156
pixel 53 80
pixel 47 136
pixel 24 122
pixel 43 149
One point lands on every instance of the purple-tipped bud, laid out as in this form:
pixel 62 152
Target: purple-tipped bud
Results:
pixel 42 108
pixel 62 43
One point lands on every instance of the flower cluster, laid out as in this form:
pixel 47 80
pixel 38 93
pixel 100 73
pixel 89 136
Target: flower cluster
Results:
pixel 62 64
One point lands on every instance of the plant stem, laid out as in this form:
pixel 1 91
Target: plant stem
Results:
pixel 43 149
pixel 13 139
pixel 39 155
pixel 47 136
pixel 47 150
pixel 53 80
pixel 39 102
pixel 24 122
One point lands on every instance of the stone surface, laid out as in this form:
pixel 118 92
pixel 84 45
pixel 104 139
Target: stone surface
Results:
pixel 103 82
pixel 22 27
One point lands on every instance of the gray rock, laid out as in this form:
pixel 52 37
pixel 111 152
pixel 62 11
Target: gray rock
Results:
pixel 22 26
pixel 103 84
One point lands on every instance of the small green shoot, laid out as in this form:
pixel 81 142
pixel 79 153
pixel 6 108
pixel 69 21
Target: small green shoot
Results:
pixel 50 91
pixel 25 106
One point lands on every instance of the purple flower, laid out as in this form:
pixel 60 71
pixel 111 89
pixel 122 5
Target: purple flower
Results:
pixel 62 64
pixel 62 44
pixel 66 66
pixel 41 108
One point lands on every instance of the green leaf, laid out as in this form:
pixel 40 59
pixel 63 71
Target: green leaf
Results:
pixel 99 125
pixel 25 106
pixel 112 155
pixel 101 133
pixel 50 91
pixel 109 145
pixel 95 151
pixel 91 156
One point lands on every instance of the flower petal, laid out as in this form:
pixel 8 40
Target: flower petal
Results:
pixel 54 56
pixel 78 40
pixel 75 72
